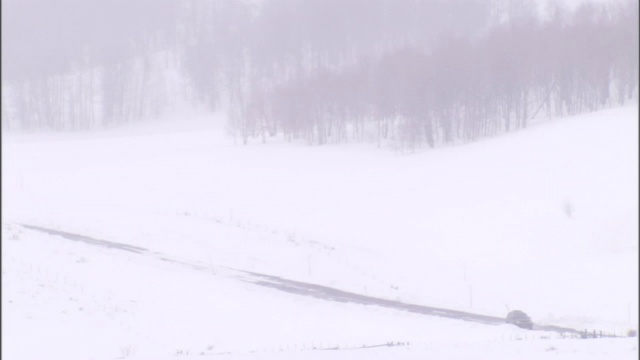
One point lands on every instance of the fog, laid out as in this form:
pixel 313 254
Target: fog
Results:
pixel 395 179
pixel 419 73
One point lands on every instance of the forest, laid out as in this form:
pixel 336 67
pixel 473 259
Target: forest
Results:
pixel 404 72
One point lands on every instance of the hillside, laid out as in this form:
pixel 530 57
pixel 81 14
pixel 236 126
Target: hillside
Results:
pixel 543 220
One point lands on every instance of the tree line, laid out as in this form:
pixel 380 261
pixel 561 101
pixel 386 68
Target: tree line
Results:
pixel 414 73
pixel 79 64
pixel 463 88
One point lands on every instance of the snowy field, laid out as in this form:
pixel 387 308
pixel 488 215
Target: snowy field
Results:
pixel 543 220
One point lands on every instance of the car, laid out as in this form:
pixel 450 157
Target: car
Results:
pixel 519 319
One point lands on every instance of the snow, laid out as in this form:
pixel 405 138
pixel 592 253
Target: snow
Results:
pixel 478 228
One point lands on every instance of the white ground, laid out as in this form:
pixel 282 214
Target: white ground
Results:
pixel 479 228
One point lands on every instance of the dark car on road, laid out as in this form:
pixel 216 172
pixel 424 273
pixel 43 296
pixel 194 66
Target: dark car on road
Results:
pixel 519 319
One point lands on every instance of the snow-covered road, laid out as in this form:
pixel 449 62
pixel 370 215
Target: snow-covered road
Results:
pixel 301 288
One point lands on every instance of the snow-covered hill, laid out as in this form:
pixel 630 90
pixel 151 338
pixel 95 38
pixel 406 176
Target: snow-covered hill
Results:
pixel 543 220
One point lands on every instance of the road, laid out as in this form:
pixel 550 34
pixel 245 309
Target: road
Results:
pixel 332 294
pixel 303 288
